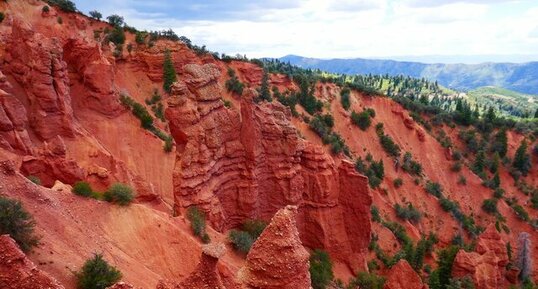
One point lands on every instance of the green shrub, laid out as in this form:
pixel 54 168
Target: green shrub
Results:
pixel 398 182
pixel 168 145
pixel 2 16
pixel 64 5
pixel 254 227
pixel 116 36
pixel 490 206
pixel 233 84
pixel 440 278
pixel 410 165
pixel 241 240
pixel 389 145
pixel 97 274
pixel 115 20
pixel 366 280
pixel 169 72
pixel 362 120
pixel 462 180
pixel 321 269
pixel 434 188
pixel 45 9
pixel 120 194
pixel 82 189
pixel 198 224
pixel 96 15
pixel 408 212
pixel 344 98
pixel 34 179
pixel 18 223
pixel 376 217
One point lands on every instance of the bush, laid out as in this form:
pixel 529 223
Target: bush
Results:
pixel 241 240
pixel 408 212
pixel 233 84
pixel 96 15
pixel 120 194
pixel 64 5
pixel 462 180
pixel 490 206
pixel 321 269
pixel 389 145
pixel 344 98
pixel 168 145
pixel 45 9
pixel 434 188
pixel 398 182
pixel 169 72
pixel 362 120
pixel 18 223
pixel 254 227
pixel 197 219
pixel 115 20
pixel 116 36
pixel 34 179
pixel 2 17
pixel 366 280
pixel 411 166
pixel 82 189
pixel 97 274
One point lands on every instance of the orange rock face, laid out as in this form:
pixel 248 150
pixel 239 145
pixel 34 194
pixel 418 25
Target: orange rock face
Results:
pixel 37 64
pixel 486 266
pixel 18 272
pixel 402 276
pixel 277 259
pixel 247 165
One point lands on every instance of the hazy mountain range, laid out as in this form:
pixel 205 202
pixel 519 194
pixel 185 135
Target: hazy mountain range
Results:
pixel 521 77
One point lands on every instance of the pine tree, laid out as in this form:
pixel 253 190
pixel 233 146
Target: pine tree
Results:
pixel 490 115
pixel 500 143
pixel 536 113
pixel 479 162
pixel 265 94
pixel 522 160
pixel 169 72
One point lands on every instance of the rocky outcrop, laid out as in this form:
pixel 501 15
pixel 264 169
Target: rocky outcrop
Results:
pixel 121 285
pixel 18 272
pixel 96 74
pixel 206 274
pixel 13 120
pixel 37 64
pixel 487 265
pixel 50 164
pixel 277 259
pixel 248 165
pixel 402 276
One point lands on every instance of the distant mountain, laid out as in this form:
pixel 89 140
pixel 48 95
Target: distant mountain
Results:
pixel 520 77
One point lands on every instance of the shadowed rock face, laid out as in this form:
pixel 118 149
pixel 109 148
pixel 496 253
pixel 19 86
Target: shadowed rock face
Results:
pixel 278 259
pixel 487 266
pixel 18 272
pixel 238 166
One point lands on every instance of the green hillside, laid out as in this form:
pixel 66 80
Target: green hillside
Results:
pixel 508 102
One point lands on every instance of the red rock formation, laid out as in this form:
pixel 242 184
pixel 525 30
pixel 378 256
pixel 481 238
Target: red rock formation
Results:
pixel 50 164
pixel 277 259
pixel 206 274
pixel 486 266
pixel 13 120
pixel 247 166
pixel 97 75
pixel 402 276
pixel 18 272
pixel 36 63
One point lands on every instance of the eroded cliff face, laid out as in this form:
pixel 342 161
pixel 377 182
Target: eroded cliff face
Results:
pixel 244 165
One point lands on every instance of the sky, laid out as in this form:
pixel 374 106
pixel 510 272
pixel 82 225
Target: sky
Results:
pixel 449 31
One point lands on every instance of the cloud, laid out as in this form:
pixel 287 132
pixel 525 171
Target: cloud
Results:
pixel 345 28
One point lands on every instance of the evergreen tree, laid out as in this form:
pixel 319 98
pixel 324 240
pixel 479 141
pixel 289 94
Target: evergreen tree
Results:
pixel 500 143
pixel 96 14
pixel 265 94
pixel 169 72
pixel 536 114
pixel 522 160
pixel 490 115
pixel 479 163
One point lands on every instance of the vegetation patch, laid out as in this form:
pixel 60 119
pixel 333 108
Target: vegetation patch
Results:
pixel 96 273
pixel 17 223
